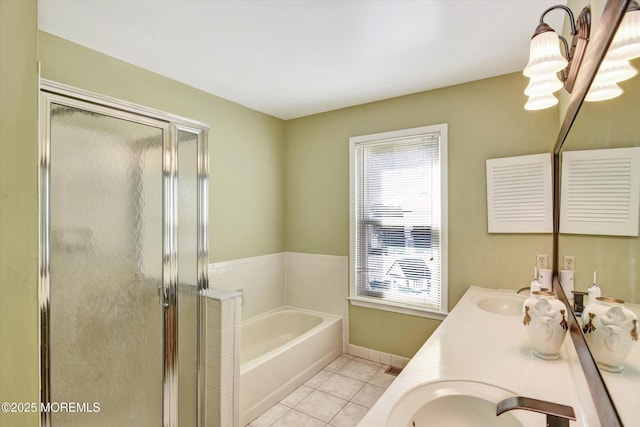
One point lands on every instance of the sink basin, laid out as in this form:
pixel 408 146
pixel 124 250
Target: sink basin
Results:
pixel 456 403
pixel 500 303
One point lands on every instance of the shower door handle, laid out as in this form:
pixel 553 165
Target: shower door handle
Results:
pixel 163 296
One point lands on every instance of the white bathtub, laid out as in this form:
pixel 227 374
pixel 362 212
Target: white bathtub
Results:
pixel 279 351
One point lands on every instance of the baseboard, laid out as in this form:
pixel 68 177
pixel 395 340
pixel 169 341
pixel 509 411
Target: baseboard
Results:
pixel 378 356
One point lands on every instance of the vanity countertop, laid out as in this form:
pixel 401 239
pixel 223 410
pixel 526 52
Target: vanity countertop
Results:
pixel 475 345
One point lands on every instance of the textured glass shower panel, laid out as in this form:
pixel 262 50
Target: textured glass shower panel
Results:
pixel 106 268
pixel 188 310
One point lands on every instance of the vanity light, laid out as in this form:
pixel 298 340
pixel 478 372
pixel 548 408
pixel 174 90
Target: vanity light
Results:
pixel 540 91
pixel 605 83
pixel 615 70
pixel 602 91
pixel 611 72
pixel 546 60
pixel 615 66
pixel 544 53
pixel 626 43
pixel 540 102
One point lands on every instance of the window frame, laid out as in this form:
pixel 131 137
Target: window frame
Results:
pixel 380 303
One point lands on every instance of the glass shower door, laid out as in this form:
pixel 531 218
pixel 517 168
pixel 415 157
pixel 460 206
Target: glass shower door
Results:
pixel 106 267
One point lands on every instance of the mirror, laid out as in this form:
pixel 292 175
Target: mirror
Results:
pixel 608 124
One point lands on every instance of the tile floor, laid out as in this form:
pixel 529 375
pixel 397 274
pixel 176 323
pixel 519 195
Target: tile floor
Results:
pixel 337 396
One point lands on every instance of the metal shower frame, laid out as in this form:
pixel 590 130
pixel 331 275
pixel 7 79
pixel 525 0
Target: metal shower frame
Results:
pixel 51 91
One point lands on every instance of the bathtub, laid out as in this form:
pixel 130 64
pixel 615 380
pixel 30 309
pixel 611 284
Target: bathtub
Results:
pixel 279 351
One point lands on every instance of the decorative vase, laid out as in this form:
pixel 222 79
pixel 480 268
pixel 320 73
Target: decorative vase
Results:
pixel 610 329
pixel 545 318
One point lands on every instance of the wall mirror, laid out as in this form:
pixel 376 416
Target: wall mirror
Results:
pixel 614 123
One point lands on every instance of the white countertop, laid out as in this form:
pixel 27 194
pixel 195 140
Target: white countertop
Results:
pixel 475 345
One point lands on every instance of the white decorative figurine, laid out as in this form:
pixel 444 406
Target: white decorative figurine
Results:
pixel 545 318
pixel 610 329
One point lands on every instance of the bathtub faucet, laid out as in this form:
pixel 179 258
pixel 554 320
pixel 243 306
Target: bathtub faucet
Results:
pixel 557 415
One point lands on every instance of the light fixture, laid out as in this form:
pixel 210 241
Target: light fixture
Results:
pixel 626 42
pixel 601 91
pixel 540 102
pixel 546 59
pixel 615 70
pixel 543 84
pixel 605 83
pixel 615 66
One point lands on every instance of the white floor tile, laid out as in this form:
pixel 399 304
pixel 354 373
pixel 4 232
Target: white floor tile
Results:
pixel 368 395
pixel 296 396
pixel 349 416
pixel 381 379
pixel 271 416
pixel 338 396
pixel 316 380
pixel 338 363
pixel 341 386
pixel 294 418
pixel 321 405
pixel 359 369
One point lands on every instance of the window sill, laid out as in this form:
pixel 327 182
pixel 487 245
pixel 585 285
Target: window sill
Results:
pixel 395 307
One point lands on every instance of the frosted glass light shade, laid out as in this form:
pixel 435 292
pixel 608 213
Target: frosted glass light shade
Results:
pixel 626 43
pixel 540 102
pixel 601 91
pixel 543 84
pixel 544 55
pixel 614 71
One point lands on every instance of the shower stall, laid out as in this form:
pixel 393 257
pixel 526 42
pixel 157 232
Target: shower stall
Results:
pixel 123 262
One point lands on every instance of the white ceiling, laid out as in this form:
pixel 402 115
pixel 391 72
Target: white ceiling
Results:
pixel 292 58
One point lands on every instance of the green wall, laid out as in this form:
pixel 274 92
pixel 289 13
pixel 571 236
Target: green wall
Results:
pixel 486 120
pixel 18 208
pixel 245 147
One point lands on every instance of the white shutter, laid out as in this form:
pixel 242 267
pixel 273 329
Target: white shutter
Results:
pixel 519 194
pixel 600 192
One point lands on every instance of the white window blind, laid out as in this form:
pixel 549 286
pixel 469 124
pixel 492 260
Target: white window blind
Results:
pixel 397 218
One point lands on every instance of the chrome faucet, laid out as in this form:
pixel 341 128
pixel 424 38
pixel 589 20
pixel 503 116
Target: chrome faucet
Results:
pixel 557 415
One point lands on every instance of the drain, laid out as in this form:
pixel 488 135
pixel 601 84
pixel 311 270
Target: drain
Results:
pixel 393 371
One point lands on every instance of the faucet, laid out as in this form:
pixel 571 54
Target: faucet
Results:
pixel 578 302
pixel 557 415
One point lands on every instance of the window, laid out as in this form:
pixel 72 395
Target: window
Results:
pixel 398 192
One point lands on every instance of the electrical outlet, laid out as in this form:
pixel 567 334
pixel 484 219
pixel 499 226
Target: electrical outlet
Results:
pixel 541 261
pixel 569 262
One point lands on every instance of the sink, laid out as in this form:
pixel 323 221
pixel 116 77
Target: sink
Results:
pixel 457 403
pixel 500 303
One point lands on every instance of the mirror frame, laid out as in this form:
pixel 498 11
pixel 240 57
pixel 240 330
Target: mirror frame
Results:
pixel 613 12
